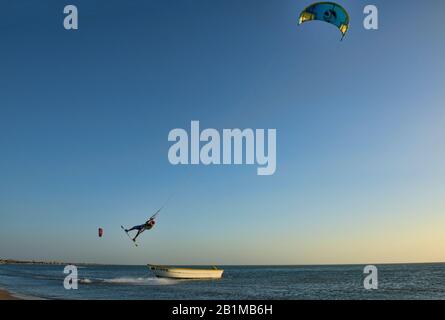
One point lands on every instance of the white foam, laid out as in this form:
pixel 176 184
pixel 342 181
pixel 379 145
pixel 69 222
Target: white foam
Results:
pixel 140 281
pixel 86 280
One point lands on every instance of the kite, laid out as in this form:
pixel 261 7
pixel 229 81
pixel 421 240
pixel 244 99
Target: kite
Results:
pixel 329 12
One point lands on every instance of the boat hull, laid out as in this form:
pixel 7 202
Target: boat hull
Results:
pixel 185 273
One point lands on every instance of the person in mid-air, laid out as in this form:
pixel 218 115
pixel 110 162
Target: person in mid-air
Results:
pixel 141 228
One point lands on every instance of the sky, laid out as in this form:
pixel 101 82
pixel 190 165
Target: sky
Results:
pixel 85 116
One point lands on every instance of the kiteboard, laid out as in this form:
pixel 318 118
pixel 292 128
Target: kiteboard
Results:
pixel 129 236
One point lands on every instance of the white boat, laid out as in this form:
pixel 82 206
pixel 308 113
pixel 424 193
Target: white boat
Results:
pixel 185 273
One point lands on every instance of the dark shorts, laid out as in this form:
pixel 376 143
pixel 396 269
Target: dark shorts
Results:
pixel 139 228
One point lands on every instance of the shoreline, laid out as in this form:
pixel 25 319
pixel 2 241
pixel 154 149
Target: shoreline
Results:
pixel 6 295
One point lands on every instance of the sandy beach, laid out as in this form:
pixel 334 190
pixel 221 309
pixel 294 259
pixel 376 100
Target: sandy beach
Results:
pixel 5 295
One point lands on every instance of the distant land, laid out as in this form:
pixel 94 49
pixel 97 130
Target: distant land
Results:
pixel 58 263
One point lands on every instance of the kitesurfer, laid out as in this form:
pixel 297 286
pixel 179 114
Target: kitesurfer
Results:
pixel 141 228
pixel 149 224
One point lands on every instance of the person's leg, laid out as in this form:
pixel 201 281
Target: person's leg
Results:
pixel 137 235
pixel 138 228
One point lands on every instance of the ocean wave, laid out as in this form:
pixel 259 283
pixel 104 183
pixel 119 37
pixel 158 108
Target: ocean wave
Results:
pixel 140 281
pixel 130 281
pixel 86 281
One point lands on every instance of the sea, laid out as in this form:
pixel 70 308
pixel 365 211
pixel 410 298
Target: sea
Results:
pixel 344 282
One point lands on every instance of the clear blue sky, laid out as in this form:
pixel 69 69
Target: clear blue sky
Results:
pixel 85 115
